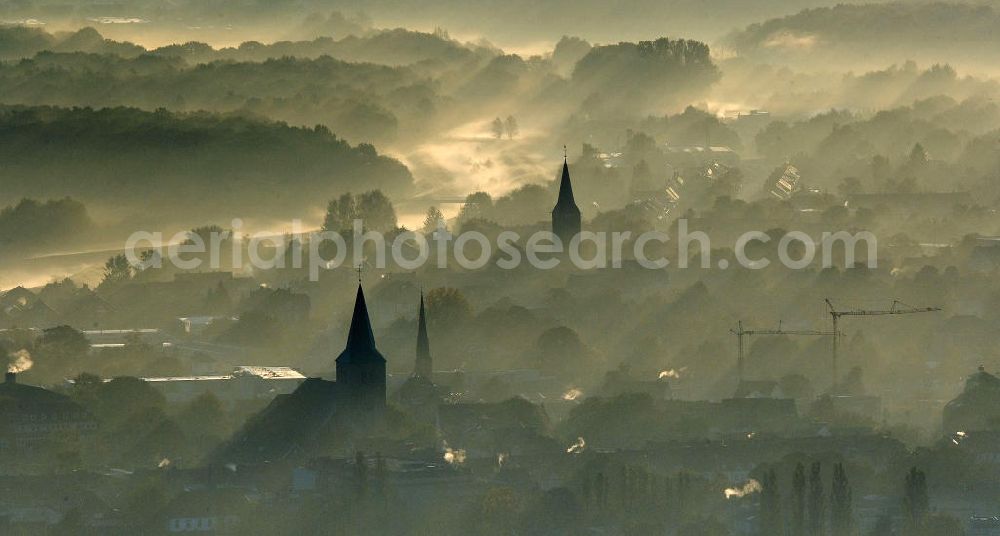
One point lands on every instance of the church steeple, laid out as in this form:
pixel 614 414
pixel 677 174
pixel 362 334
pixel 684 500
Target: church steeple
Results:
pixel 566 200
pixel 360 339
pixel 361 367
pixel 424 363
pixel 565 215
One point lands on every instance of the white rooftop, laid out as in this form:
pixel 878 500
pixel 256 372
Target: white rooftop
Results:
pixel 243 371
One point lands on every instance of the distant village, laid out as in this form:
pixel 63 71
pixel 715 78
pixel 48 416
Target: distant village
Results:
pixel 518 268
pixel 173 406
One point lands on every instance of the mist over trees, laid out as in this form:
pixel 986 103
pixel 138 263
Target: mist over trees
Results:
pixel 285 89
pixel 495 20
pixel 373 209
pixel 33 225
pixel 18 42
pixel 886 32
pixel 937 144
pixel 608 400
pixel 121 158
pixel 638 72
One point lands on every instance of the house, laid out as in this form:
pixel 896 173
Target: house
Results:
pixel 35 314
pixel 758 389
pixel 116 338
pixel 89 310
pixel 977 408
pixel 748 124
pixel 619 382
pixel 16 297
pixel 984 447
pixel 515 426
pixel 208 511
pixel 865 405
pixel 984 526
pixel 32 418
pixel 699 155
pixel 785 184
pixel 195 325
pixel 245 382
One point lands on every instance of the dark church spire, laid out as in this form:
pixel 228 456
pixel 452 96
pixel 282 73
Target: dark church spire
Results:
pixel 424 364
pixel 565 215
pixel 360 338
pixel 566 200
pixel 361 367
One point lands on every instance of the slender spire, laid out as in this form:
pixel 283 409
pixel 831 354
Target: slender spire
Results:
pixel 360 338
pixel 565 200
pixel 361 327
pixel 424 364
pixel 566 215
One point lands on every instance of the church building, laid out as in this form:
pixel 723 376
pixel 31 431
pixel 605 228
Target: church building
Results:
pixel 320 413
pixel 361 367
pixel 419 394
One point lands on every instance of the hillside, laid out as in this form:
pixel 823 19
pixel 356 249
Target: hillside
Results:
pixel 852 35
pixel 167 166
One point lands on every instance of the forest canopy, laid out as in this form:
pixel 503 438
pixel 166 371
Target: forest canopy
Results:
pixel 963 33
pixel 33 224
pixel 198 162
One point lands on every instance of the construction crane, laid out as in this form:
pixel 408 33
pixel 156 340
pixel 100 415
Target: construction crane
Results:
pixel 741 333
pixel 897 308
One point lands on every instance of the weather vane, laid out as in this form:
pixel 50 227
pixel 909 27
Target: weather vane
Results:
pixel 564 153
pixel 360 267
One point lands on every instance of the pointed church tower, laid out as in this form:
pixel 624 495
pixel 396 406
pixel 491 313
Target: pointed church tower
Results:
pixel 361 367
pixel 424 364
pixel 565 215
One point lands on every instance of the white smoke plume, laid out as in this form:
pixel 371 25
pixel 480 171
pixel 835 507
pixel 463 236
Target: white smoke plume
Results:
pixel 20 361
pixel 572 394
pixel 577 447
pixel 790 40
pixel 454 456
pixel 752 486
pixel 669 373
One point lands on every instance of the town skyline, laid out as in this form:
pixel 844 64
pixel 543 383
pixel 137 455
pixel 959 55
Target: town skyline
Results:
pixel 665 268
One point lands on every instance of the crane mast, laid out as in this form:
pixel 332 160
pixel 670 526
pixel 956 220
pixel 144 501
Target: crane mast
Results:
pixel 897 308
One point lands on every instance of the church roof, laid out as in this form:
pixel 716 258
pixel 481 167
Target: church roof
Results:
pixel 418 390
pixel 565 200
pixel 757 389
pixel 37 313
pixel 360 339
pixel 290 422
pixel 980 388
pixel 17 296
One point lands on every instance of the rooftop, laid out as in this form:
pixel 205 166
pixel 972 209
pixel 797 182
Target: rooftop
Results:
pixel 242 371
pixel 268 372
